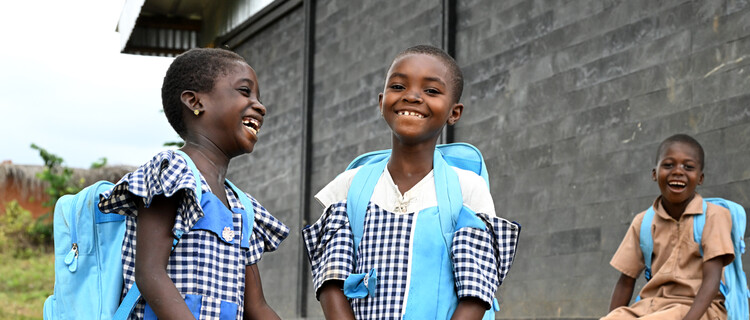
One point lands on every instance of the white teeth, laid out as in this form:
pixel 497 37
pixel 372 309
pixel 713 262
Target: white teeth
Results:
pixel 252 124
pixel 409 113
pixel 677 183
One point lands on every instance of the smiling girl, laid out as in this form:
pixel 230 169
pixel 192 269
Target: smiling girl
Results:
pixel 404 267
pixel 211 98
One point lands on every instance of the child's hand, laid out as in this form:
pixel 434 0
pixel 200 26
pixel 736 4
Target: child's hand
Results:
pixel 709 288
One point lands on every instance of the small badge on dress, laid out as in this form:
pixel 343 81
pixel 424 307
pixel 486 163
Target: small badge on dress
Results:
pixel 228 234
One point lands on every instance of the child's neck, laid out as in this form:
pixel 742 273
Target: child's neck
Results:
pixel 212 164
pixel 410 164
pixel 675 210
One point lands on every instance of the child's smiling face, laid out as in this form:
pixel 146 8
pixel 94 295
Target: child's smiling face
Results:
pixel 417 100
pixel 233 113
pixel 678 172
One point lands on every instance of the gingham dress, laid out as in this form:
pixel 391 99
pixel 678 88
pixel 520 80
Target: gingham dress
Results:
pixel 201 264
pixel 481 258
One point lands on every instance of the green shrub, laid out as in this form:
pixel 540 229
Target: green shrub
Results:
pixel 16 224
pixel 59 177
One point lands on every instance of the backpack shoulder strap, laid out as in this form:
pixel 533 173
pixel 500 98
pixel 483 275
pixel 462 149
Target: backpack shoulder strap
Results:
pixel 699 221
pixel 360 192
pixel 647 241
pixel 128 303
pixel 196 174
pixel 449 197
pixel 248 218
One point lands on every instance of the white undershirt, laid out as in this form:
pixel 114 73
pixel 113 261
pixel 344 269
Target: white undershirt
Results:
pixel 476 195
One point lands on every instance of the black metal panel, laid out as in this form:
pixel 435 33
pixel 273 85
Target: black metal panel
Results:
pixel 163 36
pixel 307 110
pixel 449 45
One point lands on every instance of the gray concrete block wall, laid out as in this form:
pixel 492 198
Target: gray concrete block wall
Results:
pixel 577 96
pixel 271 173
pixel 567 100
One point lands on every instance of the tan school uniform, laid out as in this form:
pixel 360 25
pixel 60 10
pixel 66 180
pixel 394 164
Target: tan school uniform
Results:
pixel 677 265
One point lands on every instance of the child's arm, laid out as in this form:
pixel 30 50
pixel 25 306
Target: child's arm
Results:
pixel 153 247
pixel 623 292
pixel 470 308
pixel 334 302
pixel 255 302
pixel 709 288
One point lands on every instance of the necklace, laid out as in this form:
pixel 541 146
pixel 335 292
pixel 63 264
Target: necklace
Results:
pixel 217 172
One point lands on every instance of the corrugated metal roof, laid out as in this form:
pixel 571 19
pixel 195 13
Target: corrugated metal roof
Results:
pixel 170 27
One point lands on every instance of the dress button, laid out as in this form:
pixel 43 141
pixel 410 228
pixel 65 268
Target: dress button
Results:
pixel 228 234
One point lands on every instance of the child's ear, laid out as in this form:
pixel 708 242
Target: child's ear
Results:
pixel 700 179
pixel 191 101
pixel 380 103
pixel 653 174
pixel 458 108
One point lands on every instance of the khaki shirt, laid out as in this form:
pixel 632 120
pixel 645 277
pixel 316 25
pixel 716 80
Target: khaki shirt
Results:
pixel 677 265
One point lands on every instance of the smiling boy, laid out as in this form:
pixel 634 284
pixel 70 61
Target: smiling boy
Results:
pixel 684 284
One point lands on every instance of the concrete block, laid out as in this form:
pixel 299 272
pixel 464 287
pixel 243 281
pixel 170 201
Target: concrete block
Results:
pixel 574 241
pixel 716 28
pixel 531 72
pixel 734 6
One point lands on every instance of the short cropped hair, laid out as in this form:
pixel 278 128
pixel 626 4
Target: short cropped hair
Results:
pixel 457 81
pixel 197 70
pixel 686 139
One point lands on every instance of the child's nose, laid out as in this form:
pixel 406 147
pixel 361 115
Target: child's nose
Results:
pixel 260 108
pixel 413 97
pixel 679 169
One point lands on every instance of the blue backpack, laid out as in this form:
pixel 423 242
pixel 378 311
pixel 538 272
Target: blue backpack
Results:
pixel 88 256
pixel 734 285
pixel 460 155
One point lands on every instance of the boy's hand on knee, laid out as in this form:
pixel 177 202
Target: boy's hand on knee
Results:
pixel 709 288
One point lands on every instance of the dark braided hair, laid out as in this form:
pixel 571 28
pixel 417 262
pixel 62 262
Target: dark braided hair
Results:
pixel 197 70
pixel 457 81
pixel 683 138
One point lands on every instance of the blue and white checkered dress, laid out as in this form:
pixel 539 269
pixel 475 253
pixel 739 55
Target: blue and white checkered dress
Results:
pixel 201 264
pixel 481 258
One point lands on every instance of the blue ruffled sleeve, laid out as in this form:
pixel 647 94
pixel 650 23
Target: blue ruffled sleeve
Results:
pixel 166 174
pixel 482 257
pixel 268 233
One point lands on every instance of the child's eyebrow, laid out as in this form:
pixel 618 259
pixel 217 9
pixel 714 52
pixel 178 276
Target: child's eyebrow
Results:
pixel 251 82
pixel 430 79
pixel 435 79
pixel 397 75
